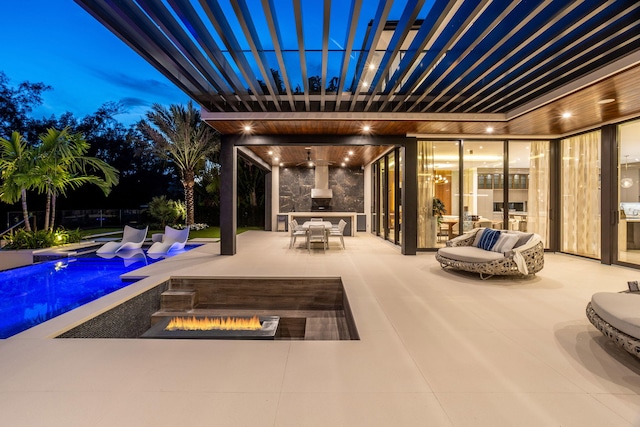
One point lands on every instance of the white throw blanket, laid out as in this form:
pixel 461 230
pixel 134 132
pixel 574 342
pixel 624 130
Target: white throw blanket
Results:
pixel 521 263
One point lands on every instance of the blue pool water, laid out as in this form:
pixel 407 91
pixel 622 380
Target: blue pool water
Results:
pixel 33 294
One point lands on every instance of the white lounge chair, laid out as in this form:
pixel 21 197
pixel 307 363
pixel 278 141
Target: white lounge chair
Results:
pixel 132 238
pixel 130 257
pixel 172 240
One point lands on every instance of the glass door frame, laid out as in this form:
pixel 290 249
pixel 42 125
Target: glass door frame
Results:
pixel 610 194
pixel 459 188
pixel 380 197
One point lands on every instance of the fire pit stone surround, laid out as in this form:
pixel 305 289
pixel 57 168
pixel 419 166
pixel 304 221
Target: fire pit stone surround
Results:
pixel 308 308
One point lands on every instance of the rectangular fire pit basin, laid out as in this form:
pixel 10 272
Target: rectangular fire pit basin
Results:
pixel 267 332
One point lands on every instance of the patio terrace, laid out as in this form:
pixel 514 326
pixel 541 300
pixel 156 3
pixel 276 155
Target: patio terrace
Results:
pixel 436 348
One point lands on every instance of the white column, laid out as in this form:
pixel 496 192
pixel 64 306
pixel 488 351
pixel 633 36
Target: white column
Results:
pixel 367 195
pixel 275 196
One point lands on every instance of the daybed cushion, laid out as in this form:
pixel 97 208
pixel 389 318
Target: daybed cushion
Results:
pixel 622 311
pixel 469 254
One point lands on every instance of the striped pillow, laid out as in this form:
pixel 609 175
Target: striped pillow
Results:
pixel 505 242
pixel 488 239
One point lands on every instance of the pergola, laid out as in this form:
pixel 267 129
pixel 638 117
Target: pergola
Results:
pixel 295 72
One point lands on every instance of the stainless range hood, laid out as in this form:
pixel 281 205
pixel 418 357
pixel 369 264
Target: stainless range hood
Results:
pixel 321 193
pixel 321 189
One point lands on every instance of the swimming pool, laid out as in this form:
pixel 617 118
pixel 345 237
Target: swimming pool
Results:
pixel 33 294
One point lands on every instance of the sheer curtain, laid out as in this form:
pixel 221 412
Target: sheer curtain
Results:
pixel 427 223
pixel 538 195
pixel 581 195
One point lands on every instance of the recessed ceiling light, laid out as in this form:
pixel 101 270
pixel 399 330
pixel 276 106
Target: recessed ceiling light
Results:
pixel 489 129
pixel 566 115
pixel 281 164
pixel 606 101
pixel 247 128
pixel 351 152
pixel 366 128
pixel 277 159
pixel 365 84
pixel 372 66
pixel 343 164
pixel 269 152
pixel 346 159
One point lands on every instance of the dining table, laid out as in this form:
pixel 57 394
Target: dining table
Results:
pixel 326 224
pixel 450 223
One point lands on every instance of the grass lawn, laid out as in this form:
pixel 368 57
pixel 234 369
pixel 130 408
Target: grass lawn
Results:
pixel 208 233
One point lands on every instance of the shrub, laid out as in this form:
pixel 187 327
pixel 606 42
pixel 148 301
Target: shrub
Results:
pixel 22 239
pixel 194 227
pixel 167 210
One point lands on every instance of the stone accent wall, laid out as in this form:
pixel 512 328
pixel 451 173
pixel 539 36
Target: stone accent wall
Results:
pixel 347 185
pixel 295 189
pixel 348 189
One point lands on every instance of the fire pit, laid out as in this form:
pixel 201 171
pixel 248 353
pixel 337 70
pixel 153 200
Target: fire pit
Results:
pixel 241 328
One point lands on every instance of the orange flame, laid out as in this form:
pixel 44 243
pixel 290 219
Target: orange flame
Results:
pixel 208 324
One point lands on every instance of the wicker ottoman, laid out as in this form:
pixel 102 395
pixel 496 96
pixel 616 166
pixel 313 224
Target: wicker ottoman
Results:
pixel 616 316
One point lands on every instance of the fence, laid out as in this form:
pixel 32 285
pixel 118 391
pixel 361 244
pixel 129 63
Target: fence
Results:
pixel 86 218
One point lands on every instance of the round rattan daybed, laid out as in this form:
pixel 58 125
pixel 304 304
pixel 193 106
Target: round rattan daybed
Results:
pixel 526 258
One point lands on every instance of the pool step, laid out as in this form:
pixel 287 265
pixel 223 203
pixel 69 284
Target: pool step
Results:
pixel 179 299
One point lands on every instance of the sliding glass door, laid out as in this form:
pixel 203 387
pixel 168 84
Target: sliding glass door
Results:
pixel 580 195
pixel 438 198
pixel 387 204
pixel 629 193
pixel 483 203
pixel 518 200
pixel 529 187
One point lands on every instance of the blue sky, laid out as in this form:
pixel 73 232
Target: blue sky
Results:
pixel 57 43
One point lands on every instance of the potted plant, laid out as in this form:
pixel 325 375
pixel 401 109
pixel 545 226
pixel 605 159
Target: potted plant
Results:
pixel 438 209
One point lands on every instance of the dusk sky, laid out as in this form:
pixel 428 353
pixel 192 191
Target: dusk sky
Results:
pixel 61 45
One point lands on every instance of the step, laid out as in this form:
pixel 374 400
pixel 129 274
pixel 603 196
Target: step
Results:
pixel 321 328
pixel 179 299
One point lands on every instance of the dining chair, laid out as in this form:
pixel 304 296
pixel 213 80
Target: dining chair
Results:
pixel 339 231
pixel 296 232
pixel 296 226
pixel 316 220
pixel 316 234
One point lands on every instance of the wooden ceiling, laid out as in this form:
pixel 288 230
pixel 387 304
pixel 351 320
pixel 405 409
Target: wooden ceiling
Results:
pixel 332 155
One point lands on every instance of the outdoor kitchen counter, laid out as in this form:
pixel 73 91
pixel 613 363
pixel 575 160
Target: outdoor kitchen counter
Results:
pixel 333 217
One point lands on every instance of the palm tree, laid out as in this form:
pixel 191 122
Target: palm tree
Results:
pixel 15 158
pixel 181 135
pixel 60 164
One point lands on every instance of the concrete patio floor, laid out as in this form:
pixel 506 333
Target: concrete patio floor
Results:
pixel 437 348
